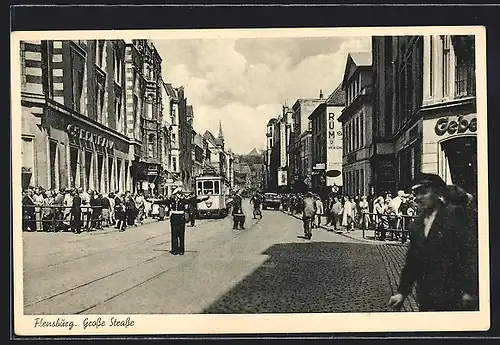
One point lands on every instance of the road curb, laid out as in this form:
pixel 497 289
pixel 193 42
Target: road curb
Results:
pixel 353 237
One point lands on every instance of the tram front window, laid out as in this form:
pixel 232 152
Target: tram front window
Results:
pixel 208 187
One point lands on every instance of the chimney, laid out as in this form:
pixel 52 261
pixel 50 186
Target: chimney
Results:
pixel 320 94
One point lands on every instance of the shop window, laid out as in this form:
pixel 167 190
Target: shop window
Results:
pixel 53 163
pixel 100 163
pixel 126 173
pixel 88 168
pixel 73 162
pixel 28 154
pixel 119 173
pixel 362 181
pixel 112 187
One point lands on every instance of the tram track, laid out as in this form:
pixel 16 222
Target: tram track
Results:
pixel 156 276
pixel 96 252
pixel 131 267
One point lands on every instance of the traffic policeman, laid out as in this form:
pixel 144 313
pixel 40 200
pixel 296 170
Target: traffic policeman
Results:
pixel 179 203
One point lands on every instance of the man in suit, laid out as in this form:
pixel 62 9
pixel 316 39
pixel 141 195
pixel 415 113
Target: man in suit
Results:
pixel 29 220
pixel 442 258
pixel 76 212
pixel 237 212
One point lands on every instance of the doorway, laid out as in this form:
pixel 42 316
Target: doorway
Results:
pixel 461 156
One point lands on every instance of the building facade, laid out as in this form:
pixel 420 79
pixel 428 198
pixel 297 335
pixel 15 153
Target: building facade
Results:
pixel 384 102
pixel 272 160
pixel 300 141
pixel 356 119
pixel 150 172
pixel 433 121
pixel 199 149
pixel 283 132
pixel 171 101
pixel 218 156
pixel 74 128
pixel 185 117
pixel 326 152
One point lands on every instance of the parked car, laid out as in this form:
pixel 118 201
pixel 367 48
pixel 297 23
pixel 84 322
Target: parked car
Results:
pixel 271 200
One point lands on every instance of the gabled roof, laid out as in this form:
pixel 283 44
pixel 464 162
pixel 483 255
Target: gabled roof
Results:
pixel 212 139
pixel 362 58
pixel 171 92
pixel 337 97
pixel 354 61
pixel 254 152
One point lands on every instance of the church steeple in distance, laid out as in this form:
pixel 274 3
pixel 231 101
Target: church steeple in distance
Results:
pixel 221 136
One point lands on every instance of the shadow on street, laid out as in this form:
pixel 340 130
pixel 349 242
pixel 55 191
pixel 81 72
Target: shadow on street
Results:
pixel 314 277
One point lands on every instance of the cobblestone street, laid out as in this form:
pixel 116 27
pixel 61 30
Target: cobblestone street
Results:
pixel 267 268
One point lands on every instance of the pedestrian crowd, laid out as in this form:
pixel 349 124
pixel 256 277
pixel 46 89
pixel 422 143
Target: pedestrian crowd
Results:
pixel 383 213
pixel 76 210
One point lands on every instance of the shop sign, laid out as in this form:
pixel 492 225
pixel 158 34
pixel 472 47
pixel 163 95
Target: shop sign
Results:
pixel 459 126
pixel 282 178
pixel 334 135
pixel 79 133
pixel 320 166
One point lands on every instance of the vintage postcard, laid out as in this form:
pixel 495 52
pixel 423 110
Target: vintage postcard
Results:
pixel 250 181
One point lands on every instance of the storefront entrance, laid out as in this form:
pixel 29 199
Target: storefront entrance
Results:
pixel 461 156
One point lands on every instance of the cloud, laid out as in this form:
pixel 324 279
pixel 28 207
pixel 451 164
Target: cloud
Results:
pixel 244 82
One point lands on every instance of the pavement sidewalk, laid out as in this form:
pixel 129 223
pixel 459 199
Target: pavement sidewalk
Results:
pixel 355 234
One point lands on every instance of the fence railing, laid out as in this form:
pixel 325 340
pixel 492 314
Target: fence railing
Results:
pixel 52 218
pixel 396 226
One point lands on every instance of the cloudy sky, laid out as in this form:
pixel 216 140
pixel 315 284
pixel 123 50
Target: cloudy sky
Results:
pixel 244 82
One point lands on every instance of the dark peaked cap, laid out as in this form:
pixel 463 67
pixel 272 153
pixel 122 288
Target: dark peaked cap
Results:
pixel 429 180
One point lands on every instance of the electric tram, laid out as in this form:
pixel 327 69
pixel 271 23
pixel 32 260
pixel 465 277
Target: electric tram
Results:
pixel 217 189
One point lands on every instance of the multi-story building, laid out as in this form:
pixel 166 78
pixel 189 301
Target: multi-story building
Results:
pixel 383 105
pixel 300 141
pixel 433 119
pixel 271 157
pixel 356 121
pixel 185 117
pixel 75 131
pixel 284 132
pixel 199 149
pixel 326 150
pixel 154 132
pixel 171 100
